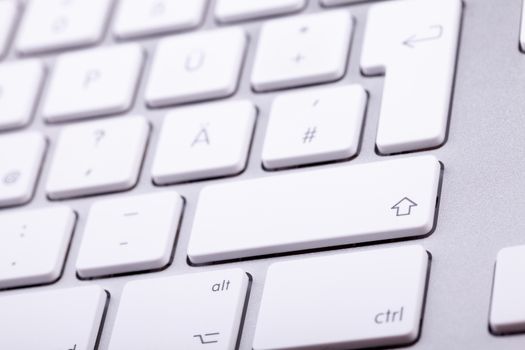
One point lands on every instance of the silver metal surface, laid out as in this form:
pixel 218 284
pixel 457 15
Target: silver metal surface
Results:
pixel 483 192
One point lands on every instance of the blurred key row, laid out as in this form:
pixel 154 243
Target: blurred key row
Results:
pixel 57 24
pixel 127 234
pixel 196 142
pixel 207 309
pixel 291 52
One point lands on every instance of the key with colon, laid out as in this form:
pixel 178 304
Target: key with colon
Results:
pixel 414 44
pixel 315 209
pixel 33 245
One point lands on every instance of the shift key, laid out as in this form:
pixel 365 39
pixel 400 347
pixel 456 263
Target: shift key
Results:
pixel 314 209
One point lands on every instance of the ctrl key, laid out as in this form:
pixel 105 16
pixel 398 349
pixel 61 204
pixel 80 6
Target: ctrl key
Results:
pixel 52 319
pixel 346 301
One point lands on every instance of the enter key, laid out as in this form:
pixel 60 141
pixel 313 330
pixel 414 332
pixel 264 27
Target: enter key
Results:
pixel 414 44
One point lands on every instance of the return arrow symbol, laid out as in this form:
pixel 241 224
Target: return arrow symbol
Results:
pixel 434 32
pixel 404 207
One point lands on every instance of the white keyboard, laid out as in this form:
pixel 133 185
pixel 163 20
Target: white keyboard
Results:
pixel 216 174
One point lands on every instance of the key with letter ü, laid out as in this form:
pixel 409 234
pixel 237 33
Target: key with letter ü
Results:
pixel 414 44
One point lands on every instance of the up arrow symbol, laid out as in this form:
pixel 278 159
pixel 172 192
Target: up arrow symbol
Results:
pixel 404 207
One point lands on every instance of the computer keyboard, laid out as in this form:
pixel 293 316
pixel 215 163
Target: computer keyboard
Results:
pixel 264 174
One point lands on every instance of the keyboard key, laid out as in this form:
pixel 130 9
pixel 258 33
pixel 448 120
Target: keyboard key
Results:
pixel 97 157
pixel 20 84
pixel 190 312
pixel 20 161
pixel 129 234
pixel 33 245
pixel 321 208
pixel 196 67
pixel 148 17
pixel 415 43
pixel 204 142
pixel 8 14
pixel 522 27
pixel 67 319
pixel 507 313
pixel 295 51
pixel 96 82
pixel 60 24
pixel 346 301
pixel 234 10
pixel 314 126
pixel 340 2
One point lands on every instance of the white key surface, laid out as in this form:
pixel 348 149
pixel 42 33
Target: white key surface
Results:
pixel 20 84
pixel 235 10
pixel 67 319
pixel 148 17
pixel 8 14
pixel 314 126
pixel 507 313
pixel 129 234
pixel 59 24
pixel 204 142
pixel 191 312
pixel 345 301
pixel 340 2
pixel 195 67
pixel 33 245
pixel 20 160
pixel 97 157
pixel 522 27
pixel 321 208
pixel 295 51
pixel 93 82
pixel 414 44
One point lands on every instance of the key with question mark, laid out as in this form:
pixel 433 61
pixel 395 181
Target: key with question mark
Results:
pixel 98 135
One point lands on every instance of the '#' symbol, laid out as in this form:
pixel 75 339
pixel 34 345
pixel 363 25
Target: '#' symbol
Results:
pixel 404 207
pixel 309 135
pixel 204 338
